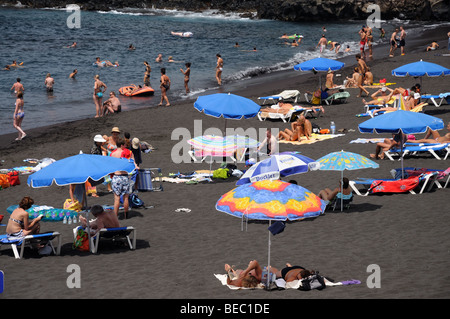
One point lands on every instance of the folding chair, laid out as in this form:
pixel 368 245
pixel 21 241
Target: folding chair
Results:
pixel 28 241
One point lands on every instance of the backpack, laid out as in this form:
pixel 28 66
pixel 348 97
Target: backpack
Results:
pixel 314 281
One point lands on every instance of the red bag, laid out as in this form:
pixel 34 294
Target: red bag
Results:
pixel 14 178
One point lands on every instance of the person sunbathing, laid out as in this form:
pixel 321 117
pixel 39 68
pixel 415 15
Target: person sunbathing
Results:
pixel 248 278
pixel 382 96
pixel 388 144
pixel 436 137
pixel 301 127
pixel 291 273
pixel 280 107
pixel 328 195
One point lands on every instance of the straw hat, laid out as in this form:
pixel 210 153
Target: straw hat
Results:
pixel 115 130
pixel 99 138
pixel 135 143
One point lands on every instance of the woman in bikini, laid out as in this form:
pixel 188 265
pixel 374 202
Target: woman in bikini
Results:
pixel 99 89
pixel 19 114
pixel 301 127
pixel 165 85
pixel 18 224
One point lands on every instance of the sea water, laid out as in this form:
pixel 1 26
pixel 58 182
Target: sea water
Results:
pixel 40 39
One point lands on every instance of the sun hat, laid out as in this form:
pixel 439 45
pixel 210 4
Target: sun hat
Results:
pixel 99 138
pixel 115 129
pixel 135 143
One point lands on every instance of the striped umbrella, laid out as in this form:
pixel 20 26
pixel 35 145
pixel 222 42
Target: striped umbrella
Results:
pixel 271 200
pixel 340 161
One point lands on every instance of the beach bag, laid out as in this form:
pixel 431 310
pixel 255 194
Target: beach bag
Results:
pixel 81 241
pixel 4 181
pixel 133 200
pixel 314 281
pixel 76 206
pixel 13 178
pixel 221 173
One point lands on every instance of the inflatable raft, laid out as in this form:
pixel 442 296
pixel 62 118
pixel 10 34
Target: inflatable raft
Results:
pixel 134 90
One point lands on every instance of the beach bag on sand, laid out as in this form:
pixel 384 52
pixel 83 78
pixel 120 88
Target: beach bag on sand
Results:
pixel 221 173
pixel 14 178
pixel 76 206
pixel 314 281
pixel 81 242
pixel 4 181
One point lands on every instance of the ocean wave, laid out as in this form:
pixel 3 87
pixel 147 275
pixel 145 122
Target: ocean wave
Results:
pixel 296 59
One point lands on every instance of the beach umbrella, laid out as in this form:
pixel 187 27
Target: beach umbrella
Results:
pixel 340 161
pixel 271 200
pixel 421 69
pixel 319 65
pixel 400 121
pixel 227 105
pixel 276 166
pixel 78 169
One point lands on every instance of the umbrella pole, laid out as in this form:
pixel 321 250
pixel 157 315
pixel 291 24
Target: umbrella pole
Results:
pixel 401 151
pixel 268 261
pixel 342 190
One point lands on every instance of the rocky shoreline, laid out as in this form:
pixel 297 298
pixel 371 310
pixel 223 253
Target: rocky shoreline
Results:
pixel 284 10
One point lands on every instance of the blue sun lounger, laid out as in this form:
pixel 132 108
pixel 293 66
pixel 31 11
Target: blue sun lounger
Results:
pixel 443 97
pixel 112 233
pixel 27 241
pixel 415 148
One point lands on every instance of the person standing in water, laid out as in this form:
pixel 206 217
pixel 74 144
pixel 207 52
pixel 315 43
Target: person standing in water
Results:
pixel 219 69
pixel 49 82
pixel 148 69
pixel 186 75
pixel 165 86
pixel 19 114
pixel 99 89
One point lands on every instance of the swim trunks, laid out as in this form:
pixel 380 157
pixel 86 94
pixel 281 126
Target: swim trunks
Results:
pixel 121 185
pixel 402 42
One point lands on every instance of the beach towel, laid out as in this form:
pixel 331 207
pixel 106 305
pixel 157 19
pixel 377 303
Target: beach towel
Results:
pixel 314 138
pixel 397 186
pixel 368 140
pixel 282 284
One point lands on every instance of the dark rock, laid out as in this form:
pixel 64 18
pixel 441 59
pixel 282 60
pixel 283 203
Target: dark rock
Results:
pixel 285 10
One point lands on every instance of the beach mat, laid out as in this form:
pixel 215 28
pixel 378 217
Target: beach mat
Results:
pixel 314 139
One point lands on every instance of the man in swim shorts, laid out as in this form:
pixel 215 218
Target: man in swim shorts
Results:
pixel 49 82
pixel 17 87
pixel 322 43
pixel 393 42
pixel 112 105
pixel 402 40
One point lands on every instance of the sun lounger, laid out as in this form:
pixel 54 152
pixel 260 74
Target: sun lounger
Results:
pixel 340 97
pixel 441 180
pixel 433 98
pixel 29 240
pixel 414 149
pixel 113 234
pixel 287 117
pixel 292 96
pixel 394 185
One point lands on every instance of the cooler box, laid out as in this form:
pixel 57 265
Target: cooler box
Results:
pixel 145 182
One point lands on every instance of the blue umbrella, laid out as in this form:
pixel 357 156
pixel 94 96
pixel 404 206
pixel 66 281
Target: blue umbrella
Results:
pixel 421 68
pixel 227 105
pixel 276 166
pixel 78 169
pixel 401 121
pixel 319 65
